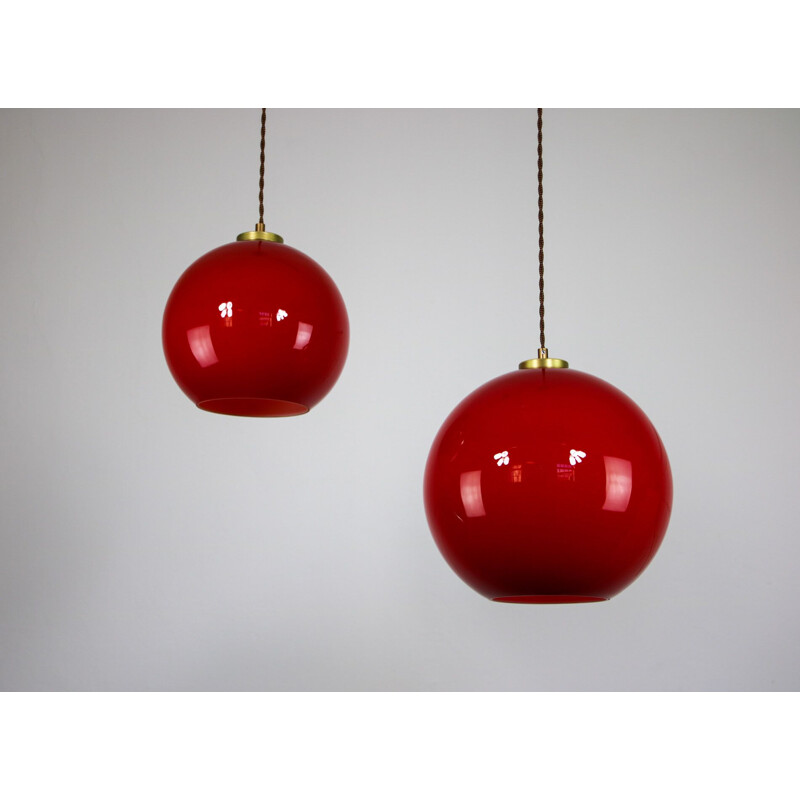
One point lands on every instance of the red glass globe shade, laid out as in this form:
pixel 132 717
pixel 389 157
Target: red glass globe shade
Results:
pixel 255 328
pixel 548 486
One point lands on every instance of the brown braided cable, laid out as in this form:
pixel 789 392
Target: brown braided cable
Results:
pixel 260 225
pixel 541 236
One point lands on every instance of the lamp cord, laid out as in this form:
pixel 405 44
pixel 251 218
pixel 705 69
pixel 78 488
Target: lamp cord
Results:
pixel 260 225
pixel 542 348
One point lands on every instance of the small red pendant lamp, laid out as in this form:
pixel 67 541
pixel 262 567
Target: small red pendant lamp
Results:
pixel 547 485
pixel 255 328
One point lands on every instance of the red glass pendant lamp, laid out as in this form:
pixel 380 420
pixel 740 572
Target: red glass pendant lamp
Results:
pixel 547 485
pixel 255 328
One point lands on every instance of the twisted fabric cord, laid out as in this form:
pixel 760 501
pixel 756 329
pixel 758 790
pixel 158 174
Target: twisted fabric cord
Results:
pixel 541 233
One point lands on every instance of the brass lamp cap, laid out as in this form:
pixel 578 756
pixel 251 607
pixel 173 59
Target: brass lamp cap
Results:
pixel 266 236
pixel 543 362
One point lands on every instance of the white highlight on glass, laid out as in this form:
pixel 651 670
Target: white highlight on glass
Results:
pixel 619 481
pixel 303 335
pixel 471 494
pixel 576 456
pixel 201 346
pixel 281 315
pixel 501 458
pixel 226 309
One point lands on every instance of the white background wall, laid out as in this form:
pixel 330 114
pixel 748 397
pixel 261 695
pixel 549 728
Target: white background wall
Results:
pixel 146 545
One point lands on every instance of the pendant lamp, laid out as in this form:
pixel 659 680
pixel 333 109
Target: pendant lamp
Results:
pixel 255 328
pixel 546 484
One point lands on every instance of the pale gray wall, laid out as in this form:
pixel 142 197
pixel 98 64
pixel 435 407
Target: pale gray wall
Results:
pixel 148 545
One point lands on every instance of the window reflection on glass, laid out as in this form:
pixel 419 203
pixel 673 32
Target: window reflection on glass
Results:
pixel 565 472
pixel 303 335
pixel 516 473
pixel 618 483
pixel 201 346
pixel 265 319
pixel 471 494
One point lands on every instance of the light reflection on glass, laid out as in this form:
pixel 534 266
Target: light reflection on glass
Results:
pixel 471 494
pixel 618 483
pixel 303 335
pixel 281 315
pixel 501 458
pixel 576 456
pixel 201 346
pixel 226 309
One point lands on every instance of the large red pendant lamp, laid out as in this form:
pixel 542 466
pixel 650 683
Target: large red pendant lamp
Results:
pixel 547 485
pixel 255 328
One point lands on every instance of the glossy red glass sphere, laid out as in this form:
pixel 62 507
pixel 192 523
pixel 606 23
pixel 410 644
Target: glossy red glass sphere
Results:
pixel 548 486
pixel 255 329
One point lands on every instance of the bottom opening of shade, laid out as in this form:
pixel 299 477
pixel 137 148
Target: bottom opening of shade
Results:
pixel 253 407
pixel 549 598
